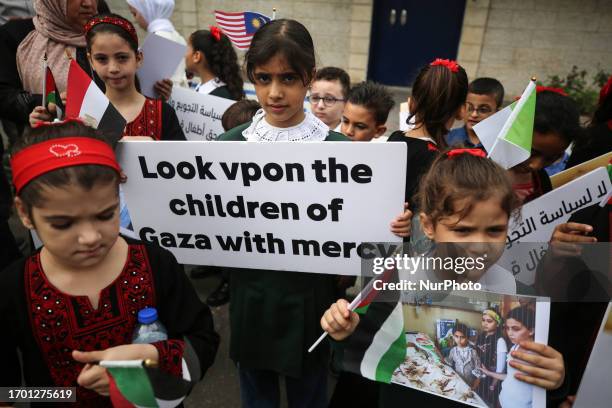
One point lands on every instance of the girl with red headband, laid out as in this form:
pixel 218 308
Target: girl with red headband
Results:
pixel 76 300
pixel 464 198
pixel 112 49
pixel 211 57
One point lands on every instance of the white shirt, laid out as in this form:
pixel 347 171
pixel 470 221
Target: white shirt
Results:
pixel 209 86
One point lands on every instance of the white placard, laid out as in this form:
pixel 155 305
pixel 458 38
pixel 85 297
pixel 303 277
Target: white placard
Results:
pixel 161 58
pixel 199 114
pixel 540 217
pixel 303 207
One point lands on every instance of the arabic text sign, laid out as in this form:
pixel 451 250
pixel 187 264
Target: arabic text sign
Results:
pixel 304 207
pixel 199 114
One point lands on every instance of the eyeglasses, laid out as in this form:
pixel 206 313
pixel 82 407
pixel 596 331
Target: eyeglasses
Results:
pixel 327 100
pixel 481 110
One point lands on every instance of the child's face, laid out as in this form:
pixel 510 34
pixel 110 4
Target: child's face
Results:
pixel 546 148
pixel 280 92
pixel 478 108
pixel 488 324
pixel 460 339
pixel 517 332
pixel 330 111
pixel 114 61
pixel 359 123
pixel 482 231
pixel 192 58
pixel 78 227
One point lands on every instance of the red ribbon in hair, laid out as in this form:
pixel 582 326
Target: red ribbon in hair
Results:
pixel 560 91
pixel 43 157
pixel 450 64
pixel 119 22
pixel 473 152
pixel 215 32
pixel 605 90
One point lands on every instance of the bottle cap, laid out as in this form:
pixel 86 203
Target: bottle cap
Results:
pixel 147 315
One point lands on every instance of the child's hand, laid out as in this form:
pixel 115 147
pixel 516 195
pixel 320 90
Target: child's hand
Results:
pixel 40 114
pixel 565 235
pixel 339 321
pixel 545 367
pixel 163 88
pixel 569 402
pixel 400 226
pixel 95 377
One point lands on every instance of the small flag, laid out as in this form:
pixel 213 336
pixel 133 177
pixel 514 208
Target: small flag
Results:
pixel 506 135
pixel 133 384
pixel 240 27
pixel 50 92
pixel 87 102
pixel 378 346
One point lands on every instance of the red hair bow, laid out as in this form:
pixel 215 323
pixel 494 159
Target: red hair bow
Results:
pixel 215 32
pixel 473 152
pixel 116 21
pixel 605 90
pixel 450 64
pixel 541 88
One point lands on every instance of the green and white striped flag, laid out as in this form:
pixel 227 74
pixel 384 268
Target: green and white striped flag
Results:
pixel 507 135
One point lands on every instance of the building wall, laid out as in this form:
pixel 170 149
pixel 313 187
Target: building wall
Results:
pixel 511 40
pixel 515 40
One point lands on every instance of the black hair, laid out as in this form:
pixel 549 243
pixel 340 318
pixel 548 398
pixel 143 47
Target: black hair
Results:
pixel 287 38
pixel 437 95
pixel 335 74
pixel 85 176
pixel 239 113
pixel 523 314
pixel 488 86
pixel 221 59
pixel 374 97
pixel 557 113
pixel 460 327
pixel 604 111
pixel 111 29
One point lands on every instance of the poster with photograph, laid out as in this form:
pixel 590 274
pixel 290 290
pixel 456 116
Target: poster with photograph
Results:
pixel 471 364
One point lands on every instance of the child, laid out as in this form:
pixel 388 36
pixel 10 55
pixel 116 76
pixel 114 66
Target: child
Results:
pixel 281 65
pixel 485 97
pixel 438 97
pixel 112 49
pixel 75 301
pixel 328 95
pixel 515 390
pixel 210 56
pixel 463 357
pixel 366 111
pixel 493 349
pixel 464 198
pixel 555 127
pixel 154 17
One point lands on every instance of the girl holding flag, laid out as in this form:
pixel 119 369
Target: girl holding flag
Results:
pixel 75 301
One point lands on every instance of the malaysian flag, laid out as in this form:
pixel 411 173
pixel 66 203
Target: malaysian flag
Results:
pixel 240 27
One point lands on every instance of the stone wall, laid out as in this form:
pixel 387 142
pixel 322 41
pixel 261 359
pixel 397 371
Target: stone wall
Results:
pixel 513 40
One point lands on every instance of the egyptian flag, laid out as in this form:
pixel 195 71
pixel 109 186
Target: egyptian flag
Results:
pixel 87 102
pixel 51 94
pixel 134 384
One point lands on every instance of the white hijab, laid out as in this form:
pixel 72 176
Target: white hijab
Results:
pixel 156 12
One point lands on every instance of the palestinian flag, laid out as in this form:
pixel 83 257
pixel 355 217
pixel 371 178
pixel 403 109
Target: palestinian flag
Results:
pixel 378 346
pixel 87 102
pixel 51 94
pixel 133 384
pixel 507 135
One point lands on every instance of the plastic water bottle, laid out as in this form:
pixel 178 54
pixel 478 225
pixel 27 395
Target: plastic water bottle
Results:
pixel 149 329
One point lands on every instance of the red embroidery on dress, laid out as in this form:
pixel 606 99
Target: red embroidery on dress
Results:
pixel 148 122
pixel 171 356
pixel 62 323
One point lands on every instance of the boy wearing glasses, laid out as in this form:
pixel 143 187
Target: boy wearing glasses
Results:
pixel 328 94
pixel 485 97
pixel 366 111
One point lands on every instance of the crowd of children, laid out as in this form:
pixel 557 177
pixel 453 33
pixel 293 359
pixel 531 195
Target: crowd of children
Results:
pixel 74 301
